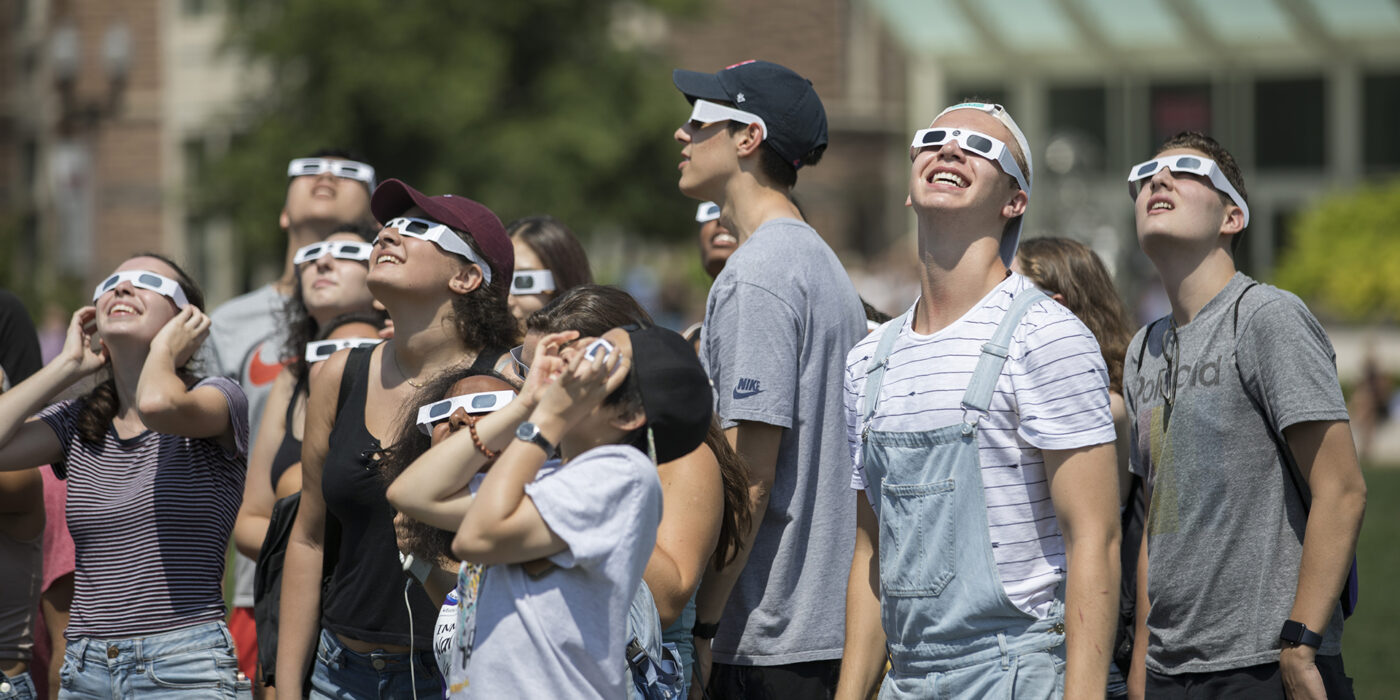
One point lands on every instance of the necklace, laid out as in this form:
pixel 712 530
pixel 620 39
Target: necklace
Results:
pixel 406 378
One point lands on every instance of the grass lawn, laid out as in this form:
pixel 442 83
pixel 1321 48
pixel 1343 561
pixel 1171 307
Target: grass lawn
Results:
pixel 1370 645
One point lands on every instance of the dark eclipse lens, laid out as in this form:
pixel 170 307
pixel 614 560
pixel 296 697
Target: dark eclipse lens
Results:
pixel 979 143
pixel 440 409
pixel 935 136
pixel 1188 163
pixel 1147 169
pixel 486 401
pixel 151 280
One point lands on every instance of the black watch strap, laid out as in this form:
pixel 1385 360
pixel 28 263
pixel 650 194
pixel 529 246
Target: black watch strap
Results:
pixel 704 631
pixel 1298 633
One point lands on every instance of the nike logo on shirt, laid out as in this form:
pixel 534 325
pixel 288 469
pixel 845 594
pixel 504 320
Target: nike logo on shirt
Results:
pixel 746 388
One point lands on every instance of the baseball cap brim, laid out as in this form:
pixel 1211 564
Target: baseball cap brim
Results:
pixel 699 86
pixel 394 197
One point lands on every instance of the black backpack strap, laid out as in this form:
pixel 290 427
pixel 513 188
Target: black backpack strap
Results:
pixel 1146 337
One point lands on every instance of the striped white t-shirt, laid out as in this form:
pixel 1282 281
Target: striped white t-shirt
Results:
pixel 150 518
pixel 1052 394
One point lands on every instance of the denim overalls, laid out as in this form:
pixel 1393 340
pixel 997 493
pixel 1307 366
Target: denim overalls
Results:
pixel 951 630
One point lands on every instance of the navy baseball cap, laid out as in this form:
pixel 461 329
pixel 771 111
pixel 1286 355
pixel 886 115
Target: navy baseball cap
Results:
pixel 787 103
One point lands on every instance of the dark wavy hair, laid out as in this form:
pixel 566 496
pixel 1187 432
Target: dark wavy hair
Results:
pixel 1071 269
pixel 97 408
pixel 301 328
pixel 593 310
pixel 559 249
pixel 422 540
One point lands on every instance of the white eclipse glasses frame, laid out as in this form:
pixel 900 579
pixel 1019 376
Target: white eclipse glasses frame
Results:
pixel 348 169
pixel 532 282
pixel 318 350
pixel 974 142
pixel 345 250
pixel 1186 163
pixel 480 402
pixel 706 212
pixel 706 112
pixel 440 234
pixel 143 279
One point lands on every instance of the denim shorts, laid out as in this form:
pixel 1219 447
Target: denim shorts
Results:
pixel 20 687
pixel 344 673
pixel 194 662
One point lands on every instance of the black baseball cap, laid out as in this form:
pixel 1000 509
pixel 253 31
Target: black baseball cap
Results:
pixel 786 101
pixel 676 395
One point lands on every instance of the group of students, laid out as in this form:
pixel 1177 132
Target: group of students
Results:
pixel 465 470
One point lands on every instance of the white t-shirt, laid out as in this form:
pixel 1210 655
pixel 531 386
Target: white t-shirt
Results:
pixel 564 634
pixel 1052 394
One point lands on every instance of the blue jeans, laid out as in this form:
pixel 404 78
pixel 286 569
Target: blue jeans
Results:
pixel 19 687
pixel 344 673
pixel 194 662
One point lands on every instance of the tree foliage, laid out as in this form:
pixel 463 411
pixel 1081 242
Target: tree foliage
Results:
pixel 527 106
pixel 1345 254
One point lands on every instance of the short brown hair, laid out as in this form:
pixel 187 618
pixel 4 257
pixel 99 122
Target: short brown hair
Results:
pixel 1197 141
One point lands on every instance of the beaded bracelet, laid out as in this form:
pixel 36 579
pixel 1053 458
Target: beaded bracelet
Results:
pixel 481 446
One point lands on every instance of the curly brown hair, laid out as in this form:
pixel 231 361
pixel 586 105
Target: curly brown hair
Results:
pixel 1069 268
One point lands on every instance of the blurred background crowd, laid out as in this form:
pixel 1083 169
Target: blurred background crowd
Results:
pixel 165 125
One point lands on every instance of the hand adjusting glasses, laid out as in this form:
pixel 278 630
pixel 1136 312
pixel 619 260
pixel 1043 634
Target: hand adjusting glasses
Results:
pixel 974 142
pixel 345 250
pixel 1194 165
pixel 482 402
pixel 444 237
pixel 349 169
pixel 142 279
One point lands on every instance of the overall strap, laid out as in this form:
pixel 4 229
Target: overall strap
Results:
pixel 984 379
pixel 875 369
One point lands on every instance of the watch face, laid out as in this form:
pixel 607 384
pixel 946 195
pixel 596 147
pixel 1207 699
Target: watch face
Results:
pixel 527 431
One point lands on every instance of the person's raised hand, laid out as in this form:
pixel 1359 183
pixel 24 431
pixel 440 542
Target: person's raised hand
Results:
pixel 82 349
pixel 585 381
pixel 548 363
pixel 183 334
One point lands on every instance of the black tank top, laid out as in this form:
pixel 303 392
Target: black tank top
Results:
pixel 365 599
pixel 289 452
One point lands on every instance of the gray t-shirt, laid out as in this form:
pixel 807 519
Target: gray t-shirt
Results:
pixel 1225 525
pixel 778 323
pixel 244 344
pixel 563 634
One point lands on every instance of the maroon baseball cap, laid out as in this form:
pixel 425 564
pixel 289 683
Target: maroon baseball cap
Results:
pixel 394 197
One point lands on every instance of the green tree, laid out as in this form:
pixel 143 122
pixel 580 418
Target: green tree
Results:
pixel 1345 254
pixel 527 106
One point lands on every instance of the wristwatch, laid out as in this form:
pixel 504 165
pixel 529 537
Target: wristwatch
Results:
pixel 529 432
pixel 704 631
pixel 1298 633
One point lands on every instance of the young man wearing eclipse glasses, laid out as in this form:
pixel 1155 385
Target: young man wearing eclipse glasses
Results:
pixel 778 321
pixel 978 422
pixel 1236 419
pixel 325 191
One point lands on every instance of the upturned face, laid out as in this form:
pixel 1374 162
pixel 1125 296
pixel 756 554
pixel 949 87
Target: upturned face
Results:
pixel 947 180
pixel 459 419
pixel 325 197
pixel 1181 207
pixel 127 311
pixel 331 286
pixel 522 305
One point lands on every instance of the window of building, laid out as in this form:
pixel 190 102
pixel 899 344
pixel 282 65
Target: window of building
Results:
pixel 1176 108
pixel 1290 123
pixel 1078 128
pixel 1381 140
